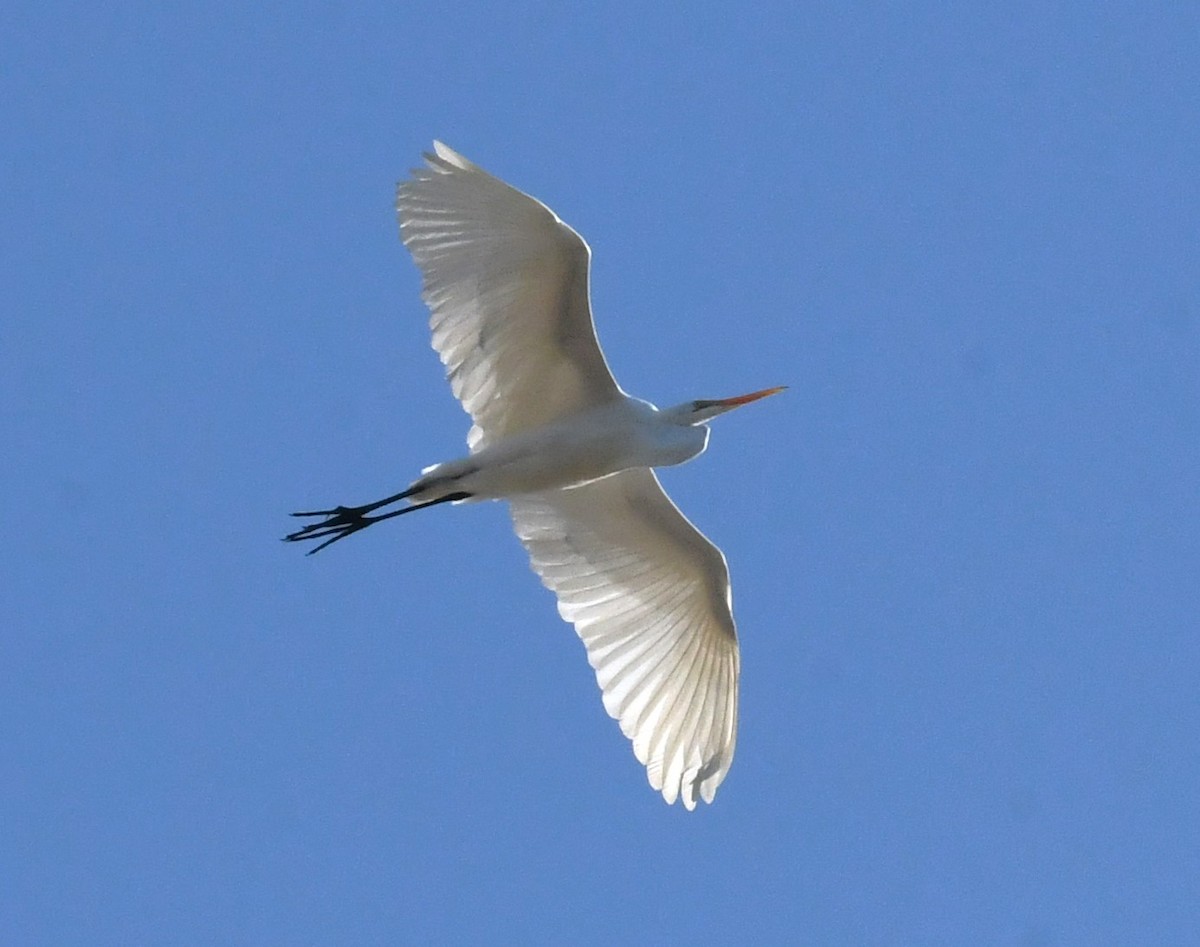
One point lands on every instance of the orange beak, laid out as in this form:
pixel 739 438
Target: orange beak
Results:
pixel 753 396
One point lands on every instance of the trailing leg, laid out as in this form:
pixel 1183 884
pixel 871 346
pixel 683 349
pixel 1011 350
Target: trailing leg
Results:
pixel 343 521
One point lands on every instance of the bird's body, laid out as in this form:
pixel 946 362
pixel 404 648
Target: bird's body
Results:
pixel 506 282
pixel 564 454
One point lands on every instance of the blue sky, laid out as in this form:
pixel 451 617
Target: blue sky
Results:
pixel 964 545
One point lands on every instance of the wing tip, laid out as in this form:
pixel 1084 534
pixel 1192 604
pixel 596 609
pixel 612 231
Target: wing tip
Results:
pixel 441 160
pixel 443 155
pixel 694 784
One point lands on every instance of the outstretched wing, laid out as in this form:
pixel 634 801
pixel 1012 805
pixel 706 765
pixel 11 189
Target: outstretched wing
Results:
pixel 506 282
pixel 649 596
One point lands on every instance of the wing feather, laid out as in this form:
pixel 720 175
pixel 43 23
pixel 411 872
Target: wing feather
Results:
pixel 649 596
pixel 506 283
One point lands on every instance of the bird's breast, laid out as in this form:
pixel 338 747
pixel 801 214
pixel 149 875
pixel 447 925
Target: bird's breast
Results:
pixel 577 451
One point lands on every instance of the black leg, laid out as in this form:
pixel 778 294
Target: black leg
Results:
pixel 343 521
pixel 365 508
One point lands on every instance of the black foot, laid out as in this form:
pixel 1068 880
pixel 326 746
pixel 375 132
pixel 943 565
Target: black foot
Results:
pixel 340 522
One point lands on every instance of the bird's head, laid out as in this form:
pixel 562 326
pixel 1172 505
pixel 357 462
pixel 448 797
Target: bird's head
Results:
pixel 698 412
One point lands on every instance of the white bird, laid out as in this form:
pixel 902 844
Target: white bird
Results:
pixel 506 282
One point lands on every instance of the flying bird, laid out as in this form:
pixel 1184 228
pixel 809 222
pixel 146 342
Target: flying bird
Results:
pixel 506 282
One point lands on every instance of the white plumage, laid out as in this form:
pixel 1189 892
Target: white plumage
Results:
pixel 506 283
pixel 649 596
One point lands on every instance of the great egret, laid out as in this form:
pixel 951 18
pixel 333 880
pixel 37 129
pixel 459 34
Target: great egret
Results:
pixel 506 282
